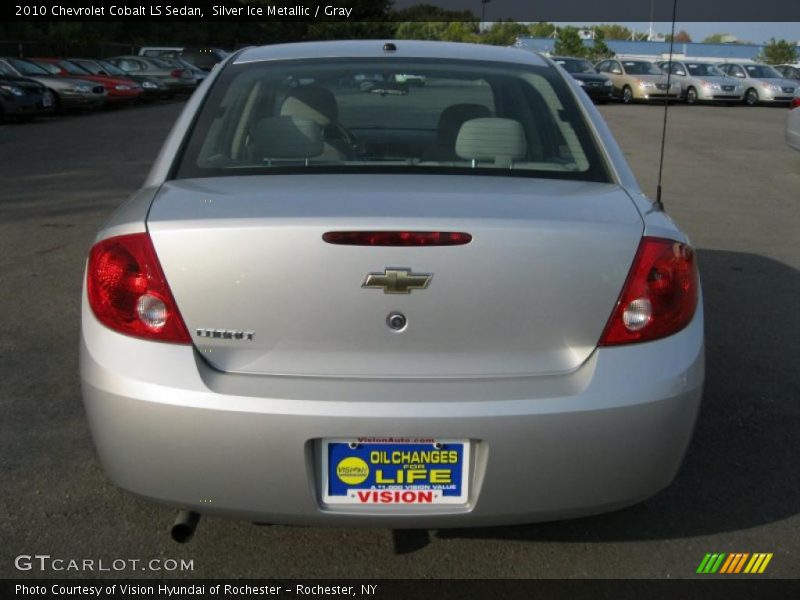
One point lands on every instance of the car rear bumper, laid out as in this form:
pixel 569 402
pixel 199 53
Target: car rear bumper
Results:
pixel 170 428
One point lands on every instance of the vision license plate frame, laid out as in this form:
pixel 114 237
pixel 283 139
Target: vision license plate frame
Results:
pixel 395 471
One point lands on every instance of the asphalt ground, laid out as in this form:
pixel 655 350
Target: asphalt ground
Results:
pixel 729 180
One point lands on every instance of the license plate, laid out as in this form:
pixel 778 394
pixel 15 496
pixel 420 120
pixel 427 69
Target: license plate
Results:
pixel 395 471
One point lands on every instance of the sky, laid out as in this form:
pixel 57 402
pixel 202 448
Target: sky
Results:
pixel 755 32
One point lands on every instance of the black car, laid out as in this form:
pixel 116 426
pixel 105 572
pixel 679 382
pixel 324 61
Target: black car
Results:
pixel 23 98
pixel 597 85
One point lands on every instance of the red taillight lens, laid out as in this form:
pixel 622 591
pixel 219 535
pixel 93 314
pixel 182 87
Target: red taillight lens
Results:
pixel 397 238
pixel 659 297
pixel 795 102
pixel 128 291
pixel 176 73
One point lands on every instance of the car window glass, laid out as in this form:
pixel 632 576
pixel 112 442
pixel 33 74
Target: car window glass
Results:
pixel 27 67
pixel 90 67
pixel 402 114
pixel 736 71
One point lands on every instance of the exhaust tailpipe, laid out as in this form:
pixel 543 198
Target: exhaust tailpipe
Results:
pixel 184 526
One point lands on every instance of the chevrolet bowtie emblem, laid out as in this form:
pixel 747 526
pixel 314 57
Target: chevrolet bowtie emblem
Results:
pixel 397 281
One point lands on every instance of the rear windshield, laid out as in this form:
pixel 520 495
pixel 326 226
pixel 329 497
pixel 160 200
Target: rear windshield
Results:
pixel 341 115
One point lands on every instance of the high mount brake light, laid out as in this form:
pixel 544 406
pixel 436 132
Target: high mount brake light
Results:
pixel 659 297
pixel 128 292
pixel 397 238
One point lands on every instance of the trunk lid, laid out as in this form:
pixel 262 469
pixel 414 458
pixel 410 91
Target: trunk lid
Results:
pixel 530 294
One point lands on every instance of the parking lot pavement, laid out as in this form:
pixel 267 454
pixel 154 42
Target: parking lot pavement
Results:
pixel 729 180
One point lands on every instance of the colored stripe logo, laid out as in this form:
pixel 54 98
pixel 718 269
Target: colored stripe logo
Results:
pixel 736 562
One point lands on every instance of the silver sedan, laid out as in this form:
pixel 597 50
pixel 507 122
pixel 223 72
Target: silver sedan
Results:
pixel 450 307
pixel 703 82
pixel 762 83
pixel 793 124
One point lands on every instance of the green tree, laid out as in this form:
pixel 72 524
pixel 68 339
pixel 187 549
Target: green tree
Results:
pixel 453 31
pixel 778 52
pixel 715 38
pixel 614 31
pixel 504 33
pixel 682 37
pixel 569 42
pixel 599 49
pixel 541 29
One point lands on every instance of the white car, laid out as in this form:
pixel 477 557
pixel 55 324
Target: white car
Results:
pixel 793 124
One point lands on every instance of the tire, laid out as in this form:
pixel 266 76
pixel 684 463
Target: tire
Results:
pixel 751 97
pixel 691 96
pixel 627 95
pixel 56 102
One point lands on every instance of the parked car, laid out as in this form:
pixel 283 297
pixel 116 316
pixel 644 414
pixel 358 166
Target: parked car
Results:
pixel 22 98
pixel 118 90
pixel 157 51
pixel 793 123
pixel 762 83
pixel 789 72
pixel 639 80
pixel 352 335
pixel 68 92
pixel 178 80
pixel 599 87
pixel 202 57
pixel 152 89
pixel 179 63
pixel 703 82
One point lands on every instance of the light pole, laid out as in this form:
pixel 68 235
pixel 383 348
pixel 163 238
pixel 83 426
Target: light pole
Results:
pixel 483 9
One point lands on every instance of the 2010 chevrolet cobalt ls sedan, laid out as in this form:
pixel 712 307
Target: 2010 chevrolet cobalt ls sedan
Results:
pixel 450 306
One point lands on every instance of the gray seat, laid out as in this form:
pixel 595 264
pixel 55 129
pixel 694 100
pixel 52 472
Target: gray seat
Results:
pixel 319 105
pixel 450 122
pixel 494 140
pixel 288 139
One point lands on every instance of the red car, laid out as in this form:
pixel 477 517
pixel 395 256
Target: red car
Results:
pixel 118 89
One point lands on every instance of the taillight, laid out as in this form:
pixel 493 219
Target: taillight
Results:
pixel 178 73
pixel 128 291
pixel 659 297
pixel 795 102
pixel 397 238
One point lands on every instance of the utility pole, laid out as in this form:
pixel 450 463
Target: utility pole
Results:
pixel 483 10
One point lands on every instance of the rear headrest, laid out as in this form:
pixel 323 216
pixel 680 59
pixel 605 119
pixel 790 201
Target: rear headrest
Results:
pixel 453 117
pixel 491 139
pixel 311 102
pixel 288 137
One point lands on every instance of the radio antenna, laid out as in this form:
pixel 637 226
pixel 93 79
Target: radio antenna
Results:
pixel 659 205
